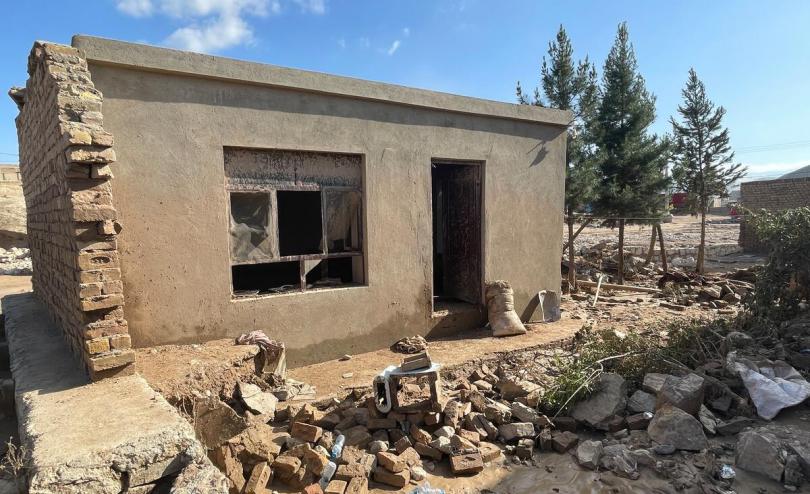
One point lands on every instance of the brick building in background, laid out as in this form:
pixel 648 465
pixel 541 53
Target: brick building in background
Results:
pixel 788 191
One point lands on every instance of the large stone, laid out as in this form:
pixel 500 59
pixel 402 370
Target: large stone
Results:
pixel 398 480
pixel 733 426
pixel 640 402
pixel 498 412
pixel 524 413
pixel 759 451
pixel 518 430
pixel 618 459
pixel 256 400
pixel 307 432
pixel 685 393
pixel 653 382
pixel 513 388
pixel 259 442
pixel 216 422
pixel 468 463
pixel 226 461
pixel 391 462
pixel 563 441
pixel 608 399
pixel 671 425
pixel 588 454
pixel 708 420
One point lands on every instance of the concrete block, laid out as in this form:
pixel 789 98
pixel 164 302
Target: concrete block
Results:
pixel 83 437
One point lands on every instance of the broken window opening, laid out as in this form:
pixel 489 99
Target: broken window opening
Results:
pixel 265 278
pixel 300 229
pixel 342 216
pixel 333 272
pixel 252 230
pixel 296 220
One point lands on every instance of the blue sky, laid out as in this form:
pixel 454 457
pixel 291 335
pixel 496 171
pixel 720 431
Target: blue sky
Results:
pixel 753 56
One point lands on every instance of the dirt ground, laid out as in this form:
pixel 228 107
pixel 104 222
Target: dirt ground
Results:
pixel 182 371
pixel 14 284
pixel 684 231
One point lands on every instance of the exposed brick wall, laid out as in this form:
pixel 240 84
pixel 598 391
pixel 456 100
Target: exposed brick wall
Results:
pixel 64 161
pixel 772 195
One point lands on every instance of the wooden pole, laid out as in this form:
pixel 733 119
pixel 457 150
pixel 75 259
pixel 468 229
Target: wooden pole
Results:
pixel 623 288
pixel 598 287
pixel 663 250
pixel 621 251
pixel 572 265
pixel 652 246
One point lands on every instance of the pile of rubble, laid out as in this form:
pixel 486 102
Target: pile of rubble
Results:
pixel 15 261
pixel 675 289
pixel 681 427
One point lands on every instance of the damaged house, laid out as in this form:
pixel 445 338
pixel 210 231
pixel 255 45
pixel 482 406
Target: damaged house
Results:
pixel 208 197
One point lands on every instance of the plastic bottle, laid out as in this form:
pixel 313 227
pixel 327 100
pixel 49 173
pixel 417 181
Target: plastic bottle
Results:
pixel 328 472
pixel 427 489
pixel 337 449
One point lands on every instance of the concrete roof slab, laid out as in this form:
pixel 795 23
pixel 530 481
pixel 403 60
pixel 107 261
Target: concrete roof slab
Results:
pixel 151 58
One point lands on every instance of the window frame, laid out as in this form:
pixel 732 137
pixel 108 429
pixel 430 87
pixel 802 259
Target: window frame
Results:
pixel 302 258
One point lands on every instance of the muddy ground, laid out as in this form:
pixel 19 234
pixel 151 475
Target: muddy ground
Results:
pixel 684 231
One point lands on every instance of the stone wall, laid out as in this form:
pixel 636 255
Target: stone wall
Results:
pixel 772 195
pixel 65 158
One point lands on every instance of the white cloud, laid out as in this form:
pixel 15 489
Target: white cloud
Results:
pixel 312 6
pixel 135 8
pixel 218 34
pixel 212 25
pixel 406 31
pixel 394 47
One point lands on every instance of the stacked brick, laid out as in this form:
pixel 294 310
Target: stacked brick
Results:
pixel 772 195
pixel 65 158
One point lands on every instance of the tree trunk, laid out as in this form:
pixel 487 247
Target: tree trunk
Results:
pixel 663 249
pixel 621 251
pixel 702 247
pixel 652 246
pixel 572 266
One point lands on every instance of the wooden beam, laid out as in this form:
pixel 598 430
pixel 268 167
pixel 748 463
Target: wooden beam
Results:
pixel 624 288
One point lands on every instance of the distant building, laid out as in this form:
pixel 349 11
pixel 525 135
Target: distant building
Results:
pixel 12 207
pixel 789 191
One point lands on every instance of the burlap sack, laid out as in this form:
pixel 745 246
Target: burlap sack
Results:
pixel 503 319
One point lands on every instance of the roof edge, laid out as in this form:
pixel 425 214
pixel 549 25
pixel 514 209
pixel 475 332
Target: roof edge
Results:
pixel 151 58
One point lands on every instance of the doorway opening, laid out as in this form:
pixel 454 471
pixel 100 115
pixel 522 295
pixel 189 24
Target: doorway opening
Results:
pixel 456 234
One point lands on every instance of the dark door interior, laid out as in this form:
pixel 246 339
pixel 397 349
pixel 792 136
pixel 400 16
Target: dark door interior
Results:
pixel 457 232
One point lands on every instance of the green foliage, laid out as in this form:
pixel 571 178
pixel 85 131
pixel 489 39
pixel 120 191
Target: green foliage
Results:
pixel 785 279
pixel 684 342
pixel 631 161
pixel 701 153
pixel 570 85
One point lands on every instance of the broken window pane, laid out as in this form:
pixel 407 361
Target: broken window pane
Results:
pixel 299 222
pixel 252 231
pixel 333 272
pixel 257 279
pixel 342 215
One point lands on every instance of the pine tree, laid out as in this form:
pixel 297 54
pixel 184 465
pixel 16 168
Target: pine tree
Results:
pixel 570 86
pixel 702 154
pixel 631 161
